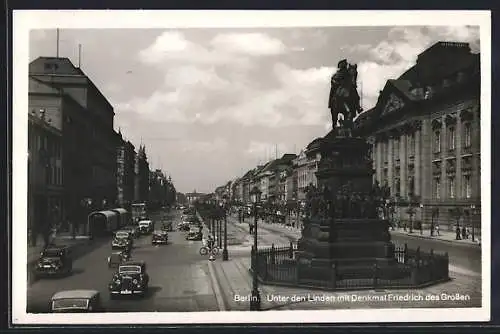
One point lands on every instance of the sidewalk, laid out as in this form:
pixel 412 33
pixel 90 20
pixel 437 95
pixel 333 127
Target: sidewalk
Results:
pixel 445 236
pixel 233 286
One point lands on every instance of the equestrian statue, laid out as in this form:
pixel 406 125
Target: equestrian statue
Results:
pixel 344 98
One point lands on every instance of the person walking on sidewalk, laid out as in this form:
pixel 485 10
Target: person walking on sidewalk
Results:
pixel 457 232
pixel 464 232
pixel 437 230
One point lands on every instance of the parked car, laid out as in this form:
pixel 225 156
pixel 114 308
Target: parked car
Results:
pixel 159 238
pixel 194 235
pixel 76 301
pixel 130 279
pixel 145 226
pixel 117 258
pixel 54 261
pixel 183 226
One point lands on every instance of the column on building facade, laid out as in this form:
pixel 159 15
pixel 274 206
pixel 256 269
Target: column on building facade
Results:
pixel 403 154
pixel 426 178
pixel 390 162
pixel 378 156
pixel 458 157
pixel 476 151
pixel 444 148
pixel 418 156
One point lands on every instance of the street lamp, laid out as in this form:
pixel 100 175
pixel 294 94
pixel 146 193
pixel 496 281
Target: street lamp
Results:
pixel 473 211
pixel 225 255
pixel 255 298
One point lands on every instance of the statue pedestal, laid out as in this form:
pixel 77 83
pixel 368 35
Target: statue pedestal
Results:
pixel 350 237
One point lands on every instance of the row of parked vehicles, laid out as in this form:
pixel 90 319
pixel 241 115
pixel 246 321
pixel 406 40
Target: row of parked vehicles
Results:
pixel 129 278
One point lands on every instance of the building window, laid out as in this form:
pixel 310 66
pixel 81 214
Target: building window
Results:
pixel 437 188
pixel 467 135
pixel 437 141
pixel 451 185
pixel 467 186
pixel 451 138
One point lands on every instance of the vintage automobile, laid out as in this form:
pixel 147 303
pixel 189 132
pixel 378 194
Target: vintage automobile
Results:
pixel 76 301
pixel 145 226
pixel 167 226
pixel 194 235
pixel 125 234
pixel 159 238
pixel 130 279
pixel 132 230
pixel 54 261
pixel 120 241
pixel 117 258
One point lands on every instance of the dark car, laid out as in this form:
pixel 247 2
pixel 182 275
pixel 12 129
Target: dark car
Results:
pixel 167 227
pixel 159 238
pixel 121 242
pixel 117 258
pixel 54 260
pixel 132 230
pixel 76 301
pixel 194 236
pixel 130 279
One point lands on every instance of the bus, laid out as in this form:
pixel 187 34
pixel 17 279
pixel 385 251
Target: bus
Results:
pixel 139 212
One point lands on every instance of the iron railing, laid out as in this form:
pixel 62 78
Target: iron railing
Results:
pixel 411 269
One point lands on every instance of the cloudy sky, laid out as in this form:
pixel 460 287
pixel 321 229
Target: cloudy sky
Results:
pixel 209 104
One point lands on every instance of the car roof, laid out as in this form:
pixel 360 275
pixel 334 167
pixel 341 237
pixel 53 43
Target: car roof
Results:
pixel 56 248
pixel 145 221
pixel 133 263
pixel 75 294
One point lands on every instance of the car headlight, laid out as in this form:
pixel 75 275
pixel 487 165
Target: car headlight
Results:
pixel 135 281
pixel 117 282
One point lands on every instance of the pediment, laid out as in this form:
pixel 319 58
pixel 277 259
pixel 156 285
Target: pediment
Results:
pixel 394 103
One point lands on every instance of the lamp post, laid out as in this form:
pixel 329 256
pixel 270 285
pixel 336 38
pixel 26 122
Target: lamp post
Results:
pixel 472 212
pixel 255 298
pixel 225 255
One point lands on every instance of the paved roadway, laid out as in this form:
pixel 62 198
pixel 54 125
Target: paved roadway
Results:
pixel 179 277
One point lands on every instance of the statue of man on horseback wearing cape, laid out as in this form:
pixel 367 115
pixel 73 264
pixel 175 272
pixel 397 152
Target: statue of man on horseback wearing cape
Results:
pixel 344 98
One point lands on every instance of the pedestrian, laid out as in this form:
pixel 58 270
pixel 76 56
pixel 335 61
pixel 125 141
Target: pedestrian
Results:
pixel 457 237
pixel 437 229
pixel 421 227
pixel 468 233
pixel 464 232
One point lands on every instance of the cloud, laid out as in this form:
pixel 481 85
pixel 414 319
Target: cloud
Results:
pixel 266 150
pixel 216 145
pixel 393 56
pixel 253 44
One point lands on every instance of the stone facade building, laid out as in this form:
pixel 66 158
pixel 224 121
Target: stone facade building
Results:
pixel 45 173
pixel 425 131
pixel 125 172
pixel 85 117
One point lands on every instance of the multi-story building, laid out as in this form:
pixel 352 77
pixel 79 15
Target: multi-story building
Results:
pixel 86 118
pixel 125 172
pixel 141 187
pixel 45 173
pixel 425 131
pixel 302 172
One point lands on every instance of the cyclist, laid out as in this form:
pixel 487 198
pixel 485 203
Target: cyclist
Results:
pixel 210 242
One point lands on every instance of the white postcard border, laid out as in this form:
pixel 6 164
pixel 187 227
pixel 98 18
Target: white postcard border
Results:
pixel 24 21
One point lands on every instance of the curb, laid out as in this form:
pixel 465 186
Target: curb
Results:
pixel 418 236
pixel 216 287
